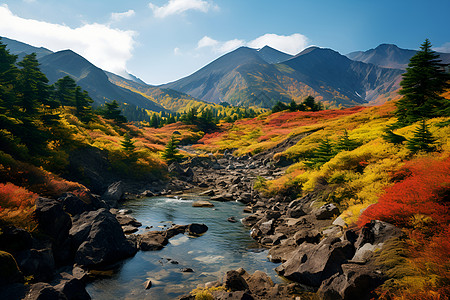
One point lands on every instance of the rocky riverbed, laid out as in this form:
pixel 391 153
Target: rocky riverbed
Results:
pixel 81 239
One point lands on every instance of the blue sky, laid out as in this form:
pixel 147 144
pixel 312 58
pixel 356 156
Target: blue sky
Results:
pixel 163 40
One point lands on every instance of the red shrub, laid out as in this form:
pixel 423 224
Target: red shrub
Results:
pixel 423 191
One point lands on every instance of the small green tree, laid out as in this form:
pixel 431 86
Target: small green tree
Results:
pixel 83 105
pixel 113 112
pixel 171 153
pixel 422 86
pixel 344 143
pixel 390 137
pixel 128 147
pixel 422 140
pixel 321 155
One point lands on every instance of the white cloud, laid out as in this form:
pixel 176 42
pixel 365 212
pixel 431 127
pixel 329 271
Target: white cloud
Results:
pixel 29 1
pixel 445 48
pixel 116 17
pixel 291 44
pixel 105 47
pixel 206 41
pixel 174 7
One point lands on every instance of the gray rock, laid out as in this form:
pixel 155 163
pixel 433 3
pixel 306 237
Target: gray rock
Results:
pixel 74 205
pixel 202 203
pixel 197 229
pixel 355 282
pixel 72 288
pixel 326 211
pixel 39 263
pixel 98 239
pixel 251 220
pixel 235 282
pixel 311 264
pixel 152 241
pixel 114 193
pixel 308 236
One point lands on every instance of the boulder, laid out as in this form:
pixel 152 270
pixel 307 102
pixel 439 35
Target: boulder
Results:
pixel 308 236
pixel 175 230
pixel 223 197
pixel 202 203
pixel 152 240
pixel 98 239
pixel 310 264
pixel 326 211
pixel 355 282
pixel 44 291
pixel 296 212
pixel 197 229
pixel 72 288
pixel 251 220
pixel 372 237
pixel 234 281
pixel 259 283
pixel 245 198
pixel 73 205
pixel 52 219
pixel 114 194
pixel 13 239
pixel 39 263
pixel 127 229
pixel 126 220
pixel 9 271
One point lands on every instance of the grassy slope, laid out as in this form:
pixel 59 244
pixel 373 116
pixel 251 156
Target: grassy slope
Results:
pixel 413 186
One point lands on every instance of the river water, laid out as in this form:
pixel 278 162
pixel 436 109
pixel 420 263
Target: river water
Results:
pixel 225 246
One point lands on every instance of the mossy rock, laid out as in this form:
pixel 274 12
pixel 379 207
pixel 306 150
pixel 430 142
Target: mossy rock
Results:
pixel 9 271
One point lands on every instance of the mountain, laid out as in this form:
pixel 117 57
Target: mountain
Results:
pixel 241 77
pixel 56 65
pixel 334 76
pixel 21 49
pixel 273 56
pixel 245 77
pixel 390 56
pixel 90 78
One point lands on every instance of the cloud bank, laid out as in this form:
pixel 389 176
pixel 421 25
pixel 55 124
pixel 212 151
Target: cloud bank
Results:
pixel 105 47
pixel 175 7
pixel 445 48
pixel 291 44
pixel 116 17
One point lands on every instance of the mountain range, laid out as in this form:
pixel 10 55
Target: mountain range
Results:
pixel 244 77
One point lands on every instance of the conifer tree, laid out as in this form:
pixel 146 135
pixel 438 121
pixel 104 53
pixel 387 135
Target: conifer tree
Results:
pixel 422 85
pixel 65 91
pixel 390 137
pixel 171 153
pixel 321 155
pixel 344 143
pixel 113 112
pixel 83 105
pixel 128 147
pixel 422 140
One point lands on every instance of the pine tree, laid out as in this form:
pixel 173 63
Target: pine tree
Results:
pixel 128 147
pixel 65 91
pixel 390 137
pixel 344 143
pixel 113 112
pixel 321 155
pixel 423 83
pixel 83 105
pixel 422 140
pixel 171 153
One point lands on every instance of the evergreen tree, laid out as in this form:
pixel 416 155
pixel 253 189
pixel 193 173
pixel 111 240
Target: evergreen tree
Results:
pixel 154 122
pixel 128 147
pixel 422 140
pixel 65 91
pixel 171 153
pixel 390 137
pixel 32 88
pixel 321 155
pixel 423 83
pixel 8 78
pixel 113 112
pixel 344 143
pixel 83 105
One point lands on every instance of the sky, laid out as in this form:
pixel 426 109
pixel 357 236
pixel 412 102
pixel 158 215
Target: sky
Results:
pixel 160 41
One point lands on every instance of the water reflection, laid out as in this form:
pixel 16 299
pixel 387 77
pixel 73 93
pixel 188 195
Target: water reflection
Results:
pixel 223 247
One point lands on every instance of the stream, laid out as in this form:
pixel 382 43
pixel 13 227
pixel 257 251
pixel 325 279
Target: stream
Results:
pixel 225 246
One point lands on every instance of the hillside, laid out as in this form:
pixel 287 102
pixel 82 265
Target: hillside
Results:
pixel 389 56
pixel 243 77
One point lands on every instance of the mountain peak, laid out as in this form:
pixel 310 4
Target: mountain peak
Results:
pixel 273 56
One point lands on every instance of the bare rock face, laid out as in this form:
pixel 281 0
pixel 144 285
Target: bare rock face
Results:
pixel 43 290
pixel 327 211
pixel 152 240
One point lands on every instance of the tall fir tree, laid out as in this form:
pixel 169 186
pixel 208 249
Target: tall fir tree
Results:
pixel 344 143
pixel 83 105
pixel 65 91
pixel 422 85
pixel 171 153
pixel 113 112
pixel 129 147
pixel 422 140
